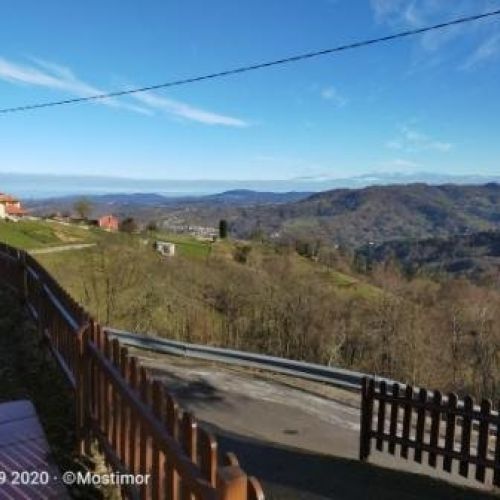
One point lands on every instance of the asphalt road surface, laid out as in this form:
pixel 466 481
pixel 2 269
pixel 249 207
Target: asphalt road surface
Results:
pixel 299 438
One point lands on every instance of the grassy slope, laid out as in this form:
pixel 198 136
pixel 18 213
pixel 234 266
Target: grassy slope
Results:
pixel 193 254
pixel 39 234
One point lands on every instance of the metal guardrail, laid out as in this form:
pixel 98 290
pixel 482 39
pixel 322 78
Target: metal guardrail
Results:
pixel 339 377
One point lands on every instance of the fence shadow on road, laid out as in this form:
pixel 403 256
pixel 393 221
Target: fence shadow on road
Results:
pixel 288 473
pixel 197 391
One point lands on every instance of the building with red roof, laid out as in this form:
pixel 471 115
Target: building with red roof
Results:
pixel 108 222
pixel 10 207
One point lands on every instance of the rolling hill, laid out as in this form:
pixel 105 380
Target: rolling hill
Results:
pixel 380 213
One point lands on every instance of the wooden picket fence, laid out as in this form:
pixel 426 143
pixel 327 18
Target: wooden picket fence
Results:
pixel 138 426
pixel 458 432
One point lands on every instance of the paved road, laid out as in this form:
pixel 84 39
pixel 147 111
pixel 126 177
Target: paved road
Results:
pixel 300 438
pixel 62 248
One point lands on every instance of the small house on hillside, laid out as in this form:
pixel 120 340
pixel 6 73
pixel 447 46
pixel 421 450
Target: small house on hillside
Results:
pixel 10 207
pixel 165 248
pixel 108 223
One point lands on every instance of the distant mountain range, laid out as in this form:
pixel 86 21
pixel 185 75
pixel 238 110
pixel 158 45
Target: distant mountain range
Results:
pixel 37 186
pixel 348 217
pixel 128 203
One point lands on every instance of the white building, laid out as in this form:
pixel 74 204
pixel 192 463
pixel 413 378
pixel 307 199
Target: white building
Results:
pixel 166 248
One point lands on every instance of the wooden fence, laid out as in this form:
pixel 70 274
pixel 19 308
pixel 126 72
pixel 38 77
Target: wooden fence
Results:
pixel 457 432
pixel 137 424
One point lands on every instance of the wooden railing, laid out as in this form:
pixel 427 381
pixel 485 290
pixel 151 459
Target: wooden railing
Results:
pixel 458 432
pixel 139 427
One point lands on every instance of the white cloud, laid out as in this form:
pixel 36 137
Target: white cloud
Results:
pixel 332 94
pixel 413 141
pixel 410 14
pixel 53 76
pixel 183 110
pixel 385 9
pixel 488 50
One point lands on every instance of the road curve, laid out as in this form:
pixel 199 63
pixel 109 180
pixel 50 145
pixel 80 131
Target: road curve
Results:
pixel 300 438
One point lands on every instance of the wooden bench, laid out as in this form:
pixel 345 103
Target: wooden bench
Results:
pixel 24 448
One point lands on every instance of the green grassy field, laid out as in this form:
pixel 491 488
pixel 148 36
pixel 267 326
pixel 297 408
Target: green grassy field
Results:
pixel 186 246
pixel 31 235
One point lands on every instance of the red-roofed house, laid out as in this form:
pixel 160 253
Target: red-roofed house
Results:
pixel 108 222
pixel 10 207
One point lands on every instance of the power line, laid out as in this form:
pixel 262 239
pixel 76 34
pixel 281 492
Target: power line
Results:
pixel 245 69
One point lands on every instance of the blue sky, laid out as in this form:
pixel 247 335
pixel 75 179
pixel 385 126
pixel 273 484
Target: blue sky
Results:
pixel 429 103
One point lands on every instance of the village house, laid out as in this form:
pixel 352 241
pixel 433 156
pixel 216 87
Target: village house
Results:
pixel 10 207
pixel 108 222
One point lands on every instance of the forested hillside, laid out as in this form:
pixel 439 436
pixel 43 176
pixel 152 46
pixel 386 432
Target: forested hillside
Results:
pixel 475 256
pixel 379 213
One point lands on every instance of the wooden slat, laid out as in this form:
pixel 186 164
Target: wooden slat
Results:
pixel 115 432
pixel 435 425
pixel 125 411
pixel 158 465
pixel 449 444
pixel 255 491
pixel 496 472
pixel 107 390
pixel 482 440
pixel 381 416
pixel 419 432
pixel 133 434
pixel 366 417
pixel 190 444
pixel 144 455
pixel 407 419
pixel 232 483
pixel 466 432
pixel 102 382
pixel 393 426
pixel 171 420
pixel 207 450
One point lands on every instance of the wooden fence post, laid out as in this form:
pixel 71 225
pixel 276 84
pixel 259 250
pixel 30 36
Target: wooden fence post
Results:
pixel 232 483
pixel 367 391
pixel 80 390
pixel 496 460
pixel 482 440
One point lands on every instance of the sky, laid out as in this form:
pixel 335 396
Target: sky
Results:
pixel 425 104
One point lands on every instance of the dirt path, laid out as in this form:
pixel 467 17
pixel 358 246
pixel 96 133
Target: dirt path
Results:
pixel 62 248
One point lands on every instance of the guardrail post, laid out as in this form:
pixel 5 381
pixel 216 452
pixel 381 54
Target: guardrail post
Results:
pixel 367 391
pixel 232 483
